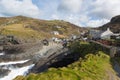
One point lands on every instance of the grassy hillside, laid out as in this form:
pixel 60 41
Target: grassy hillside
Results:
pixel 94 65
pixel 20 31
pixel 25 27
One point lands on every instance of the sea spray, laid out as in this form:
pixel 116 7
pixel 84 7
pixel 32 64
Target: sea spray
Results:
pixel 2 53
pixel 13 62
pixel 14 71
pixel 17 71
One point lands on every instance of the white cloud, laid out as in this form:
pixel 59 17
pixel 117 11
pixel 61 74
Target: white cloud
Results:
pixel 81 12
pixel 70 5
pixel 73 19
pixel 70 18
pixel 54 16
pixel 104 8
pixel 19 7
pixel 84 18
pixel 89 12
pixel 94 13
pixel 96 23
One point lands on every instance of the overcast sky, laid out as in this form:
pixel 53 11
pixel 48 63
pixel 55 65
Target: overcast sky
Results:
pixel 91 13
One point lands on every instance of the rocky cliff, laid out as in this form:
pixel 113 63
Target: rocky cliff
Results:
pixel 114 25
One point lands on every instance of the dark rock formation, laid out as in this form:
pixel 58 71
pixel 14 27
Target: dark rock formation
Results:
pixel 115 19
pixel 1 49
pixel 20 52
pixel 114 25
pixel 4 72
pixel 11 49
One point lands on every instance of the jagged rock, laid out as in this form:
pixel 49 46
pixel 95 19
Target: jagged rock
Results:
pixel 114 25
pixel 115 19
pixel 11 49
pixel 4 72
pixel 20 52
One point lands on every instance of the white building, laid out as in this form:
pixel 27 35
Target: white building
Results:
pixel 56 33
pixel 97 34
pixel 107 34
pixel 57 40
pixel 58 26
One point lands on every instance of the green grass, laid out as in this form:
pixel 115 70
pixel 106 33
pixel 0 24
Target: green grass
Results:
pixel 18 30
pixel 27 28
pixel 92 67
pixel 83 48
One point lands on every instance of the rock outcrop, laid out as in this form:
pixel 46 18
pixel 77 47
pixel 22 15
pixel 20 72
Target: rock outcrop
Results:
pixel 114 25
pixel 4 72
pixel 115 19
pixel 20 51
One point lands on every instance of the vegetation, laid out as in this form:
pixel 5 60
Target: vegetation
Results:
pixel 29 28
pixel 83 48
pixel 20 31
pixel 117 42
pixel 94 65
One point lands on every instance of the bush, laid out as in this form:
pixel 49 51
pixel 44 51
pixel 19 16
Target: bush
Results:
pixel 84 48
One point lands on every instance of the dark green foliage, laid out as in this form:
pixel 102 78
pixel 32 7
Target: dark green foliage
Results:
pixel 83 48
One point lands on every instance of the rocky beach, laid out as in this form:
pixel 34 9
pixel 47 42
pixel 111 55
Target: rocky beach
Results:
pixel 19 63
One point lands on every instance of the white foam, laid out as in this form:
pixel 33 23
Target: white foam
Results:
pixel 18 71
pixel 2 54
pixel 13 62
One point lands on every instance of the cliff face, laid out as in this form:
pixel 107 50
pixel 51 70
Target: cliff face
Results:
pixel 114 25
pixel 88 67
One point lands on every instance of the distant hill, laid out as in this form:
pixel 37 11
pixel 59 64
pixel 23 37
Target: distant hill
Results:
pixel 114 25
pixel 30 28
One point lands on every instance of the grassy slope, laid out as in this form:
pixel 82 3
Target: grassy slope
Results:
pixel 20 31
pixel 25 27
pixel 94 66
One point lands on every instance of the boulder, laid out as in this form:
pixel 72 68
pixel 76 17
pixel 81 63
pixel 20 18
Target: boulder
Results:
pixel 4 72
pixel 115 19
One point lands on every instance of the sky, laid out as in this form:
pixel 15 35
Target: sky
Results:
pixel 85 13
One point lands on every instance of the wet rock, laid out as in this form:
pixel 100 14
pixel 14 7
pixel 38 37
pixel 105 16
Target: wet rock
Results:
pixel 11 49
pixel 1 49
pixel 4 72
pixel 20 52
pixel 116 19
pixel 23 64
